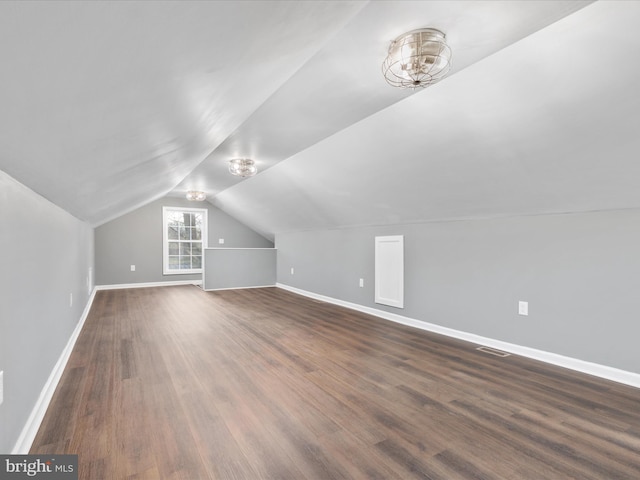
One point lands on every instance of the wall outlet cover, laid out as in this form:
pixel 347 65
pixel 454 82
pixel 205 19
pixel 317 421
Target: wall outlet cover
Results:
pixel 133 268
pixel 221 241
pixel 523 308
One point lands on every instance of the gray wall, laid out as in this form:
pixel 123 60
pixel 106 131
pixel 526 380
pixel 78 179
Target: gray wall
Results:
pixel 136 239
pixel 46 255
pixel 239 268
pixel 580 274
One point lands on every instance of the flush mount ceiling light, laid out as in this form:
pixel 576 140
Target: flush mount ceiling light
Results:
pixel 196 196
pixel 243 167
pixel 417 59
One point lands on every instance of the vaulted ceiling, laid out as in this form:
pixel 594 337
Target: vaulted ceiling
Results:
pixel 106 106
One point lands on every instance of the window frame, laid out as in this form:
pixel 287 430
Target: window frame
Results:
pixel 165 239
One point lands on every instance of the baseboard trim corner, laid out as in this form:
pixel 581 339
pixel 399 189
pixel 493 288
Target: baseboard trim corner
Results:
pixel 30 430
pixel 603 371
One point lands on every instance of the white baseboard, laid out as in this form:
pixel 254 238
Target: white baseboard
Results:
pixel 621 376
pixel 236 288
pixel 28 434
pixel 148 284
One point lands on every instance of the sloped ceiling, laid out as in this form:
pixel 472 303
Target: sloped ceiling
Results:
pixel 547 125
pixel 107 106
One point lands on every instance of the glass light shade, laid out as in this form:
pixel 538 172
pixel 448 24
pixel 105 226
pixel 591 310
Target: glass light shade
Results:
pixel 242 167
pixel 417 59
pixel 196 196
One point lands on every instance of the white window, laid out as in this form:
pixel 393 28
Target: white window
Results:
pixel 184 239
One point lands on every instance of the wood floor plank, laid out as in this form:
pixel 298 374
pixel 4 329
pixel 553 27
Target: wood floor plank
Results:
pixel 177 383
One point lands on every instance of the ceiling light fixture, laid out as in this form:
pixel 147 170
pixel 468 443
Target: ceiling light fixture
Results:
pixel 417 59
pixel 196 196
pixel 242 167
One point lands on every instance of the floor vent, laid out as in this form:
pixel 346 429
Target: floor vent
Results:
pixel 493 351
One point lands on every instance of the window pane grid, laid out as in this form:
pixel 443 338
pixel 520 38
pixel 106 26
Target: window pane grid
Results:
pixel 184 240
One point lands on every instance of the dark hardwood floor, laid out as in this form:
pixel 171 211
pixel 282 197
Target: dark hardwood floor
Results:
pixel 174 382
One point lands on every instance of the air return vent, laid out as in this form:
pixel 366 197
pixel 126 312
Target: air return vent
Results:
pixel 493 351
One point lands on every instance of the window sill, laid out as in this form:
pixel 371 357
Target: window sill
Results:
pixel 182 272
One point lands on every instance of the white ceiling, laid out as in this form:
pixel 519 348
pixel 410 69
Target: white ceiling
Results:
pixel 108 106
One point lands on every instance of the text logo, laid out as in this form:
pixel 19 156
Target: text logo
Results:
pixel 43 467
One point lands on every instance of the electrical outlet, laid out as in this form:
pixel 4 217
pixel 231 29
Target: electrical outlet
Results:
pixel 361 282
pixel 133 268
pixel 1 387
pixel 291 270
pixel 221 241
pixel 71 299
pixel 523 308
